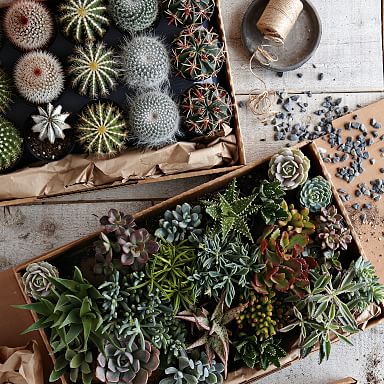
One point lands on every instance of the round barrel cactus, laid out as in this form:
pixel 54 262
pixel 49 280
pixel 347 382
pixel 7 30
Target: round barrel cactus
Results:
pixel 6 91
pixel 145 62
pixel 187 12
pixel 153 119
pixel 134 16
pixel 316 194
pixel 197 53
pixel 11 144
pixel 206 109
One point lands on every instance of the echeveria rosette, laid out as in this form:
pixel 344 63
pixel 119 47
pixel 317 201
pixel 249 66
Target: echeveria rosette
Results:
pixel 289 167
pixel 116 221
pixel 316 194
pixel 36 279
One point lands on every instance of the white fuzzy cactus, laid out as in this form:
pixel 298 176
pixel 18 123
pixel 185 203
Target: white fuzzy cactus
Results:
pixel 39 77
pixel 28 25
pixel 145 62
pixel 153 119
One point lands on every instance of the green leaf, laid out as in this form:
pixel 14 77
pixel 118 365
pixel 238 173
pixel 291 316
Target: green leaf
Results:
pixel 310 341
pixel 55 375
pixel 320 310
pixel 85 307
pixel 76 361
pixel 40 307
pixel 34 327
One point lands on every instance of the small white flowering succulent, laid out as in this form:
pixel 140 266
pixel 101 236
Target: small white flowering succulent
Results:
pixel 50 123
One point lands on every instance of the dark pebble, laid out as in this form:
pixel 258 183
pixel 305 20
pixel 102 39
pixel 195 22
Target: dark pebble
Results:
pixel 280 74
pixel 320 76
pixel 356 206
pixel 242 104
pixel 381 170
pixel 299 75
pixel 372 161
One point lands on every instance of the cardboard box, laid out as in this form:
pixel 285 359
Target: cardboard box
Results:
pixel 244 375
pixel 83 173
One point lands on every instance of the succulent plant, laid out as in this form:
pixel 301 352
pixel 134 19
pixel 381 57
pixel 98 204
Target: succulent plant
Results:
pixel 315 194
pixel 194 369
pixel 181 223
pixel 35 279
pixel 39 77
pixel 122 361
pixel 145 62
pixel 187 12
pixel 11 144
pixel 289 167
pixel 93 70
pixel 102 128
pixel 197 53
pixel 206 109
pixel 297 221
pixel 116 221
pixel 134 16
pixel 252 352
pixel 28 25
pixel 169 270
pixel 285 268
pixel 6 91
pixel 50 123
pixel 83 20
pixel 215 336
pixel 230 212
pixel 153 119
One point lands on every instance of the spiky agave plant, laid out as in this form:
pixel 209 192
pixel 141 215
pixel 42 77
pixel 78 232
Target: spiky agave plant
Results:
pixel 145 62
pixel 39 77
pixel 83 20
pixel 102 128
pixel 6 90
pixel 153 119
pixel 93 70
pixel 11 144
pixel 134 16
pixel 28 25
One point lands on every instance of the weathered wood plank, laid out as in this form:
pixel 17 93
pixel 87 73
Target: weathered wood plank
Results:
pixel 350 53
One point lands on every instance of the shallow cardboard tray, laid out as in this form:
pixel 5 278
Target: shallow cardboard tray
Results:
pixel 86 182
pixel 243 375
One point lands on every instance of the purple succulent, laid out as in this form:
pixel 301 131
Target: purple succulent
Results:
pixel 117 221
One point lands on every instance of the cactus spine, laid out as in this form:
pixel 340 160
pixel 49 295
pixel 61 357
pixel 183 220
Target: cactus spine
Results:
pixel 153 119
pixel 11 144
pixel 92 70
pixel 6 91
pixel 145 62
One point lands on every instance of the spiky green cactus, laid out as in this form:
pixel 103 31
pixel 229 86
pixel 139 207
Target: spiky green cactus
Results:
pixel 11 144
pixel 83 20
pixel 197 53
pixel 101 128
pixel 6 91
pixel 134 16
pixel 145 62
pixel 187 12
pixel 93 70
pixel 153 119
pixel 206 109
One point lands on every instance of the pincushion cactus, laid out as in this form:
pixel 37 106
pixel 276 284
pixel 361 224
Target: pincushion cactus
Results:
pixel 183 222
pixel 11 144
pixel 134 16
pixel 39 77
pixel 28 25
pixel 145 62
pixel 197 53
pixel 289 167
pixel 125 362
pixel 50 123
pixel 35 279
pixel 153 119
pixel 102 128
pixel 92 70
pixel 6 91
pixel 83 20
pixel 206 109
pixel 187 12
pixel 315 194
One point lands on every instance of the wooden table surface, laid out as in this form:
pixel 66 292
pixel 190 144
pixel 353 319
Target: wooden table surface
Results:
pixel 351 58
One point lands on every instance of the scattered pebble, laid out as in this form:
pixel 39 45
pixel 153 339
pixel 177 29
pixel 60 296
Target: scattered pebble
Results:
pixel 280 74
pixel 241 104
pixel 299 75
pixel 320 76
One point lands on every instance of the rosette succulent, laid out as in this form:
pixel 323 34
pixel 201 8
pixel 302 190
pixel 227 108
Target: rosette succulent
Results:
pixel 181 223
pixel 316 194
pixel 298 221
pixel 36 279
pixel 116 221
pixel 289 167
pixel 123 361
pixel 188 12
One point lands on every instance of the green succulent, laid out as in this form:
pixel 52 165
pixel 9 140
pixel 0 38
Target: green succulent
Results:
pixel 316 194
pixel 181 223
pixel 252 352
pixel 289 167
pixel 11 144
pixel 230 212
pixel 297 221
pixel 6 91
pixel 188 12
